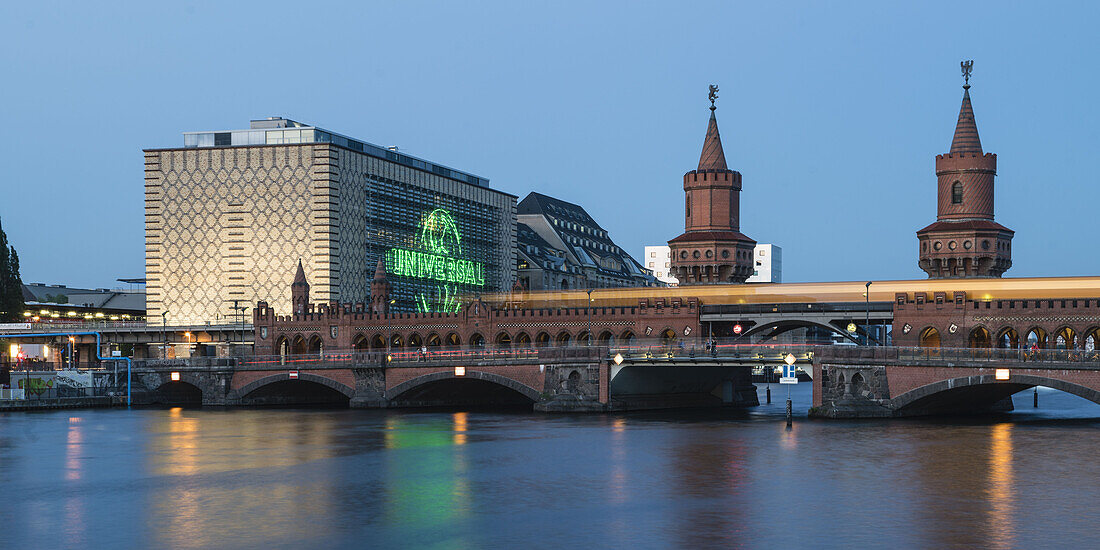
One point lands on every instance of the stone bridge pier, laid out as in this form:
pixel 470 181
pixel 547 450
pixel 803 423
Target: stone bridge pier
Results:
pixel 889 383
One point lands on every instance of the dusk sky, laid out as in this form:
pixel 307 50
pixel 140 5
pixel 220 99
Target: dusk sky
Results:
pixel 832 112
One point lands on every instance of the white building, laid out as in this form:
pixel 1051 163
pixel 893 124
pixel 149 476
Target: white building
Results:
pixel 658 260
pixel 767 264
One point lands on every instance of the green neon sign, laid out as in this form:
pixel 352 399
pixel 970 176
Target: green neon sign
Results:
pixel 423 265
pixel 439 260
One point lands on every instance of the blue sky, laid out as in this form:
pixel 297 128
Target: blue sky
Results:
pixel 832 112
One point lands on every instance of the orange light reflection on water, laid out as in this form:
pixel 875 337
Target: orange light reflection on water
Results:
pixel 1001 482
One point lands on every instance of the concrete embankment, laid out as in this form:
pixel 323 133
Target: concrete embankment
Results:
pixel 60 403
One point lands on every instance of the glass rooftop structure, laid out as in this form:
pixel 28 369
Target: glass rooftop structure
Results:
pixel 282 131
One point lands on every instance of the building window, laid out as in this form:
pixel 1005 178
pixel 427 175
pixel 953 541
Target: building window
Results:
pixel 956 193
pixel 762 252
pixel 650 264
pixel 666 265
pixel 652 254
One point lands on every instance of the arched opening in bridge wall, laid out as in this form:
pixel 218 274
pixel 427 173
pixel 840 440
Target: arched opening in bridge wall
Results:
pixel 542 340
pixel 299 347
pixel 1092 338
pixel 523 339
pixel 282 347
pixel 433 341
pixel 397 341
pixel 979 338
pixel 562 339
pixel 308 390
pixel 415 341
pixel 980 394
pixel 930 338
pixel 361 343
pixel 859 386
pixel 605 338
pixel 177 393
pixel 627 338
pixel 574 381
pixel 1065 338
pixel 377 342
pixel 477 340
pixel 584 338
pixel 474 390
pixel 504 340
pixel 1037 338
pixel 453 341
pixel 667 336
pixel 1008 339
pixel 316 346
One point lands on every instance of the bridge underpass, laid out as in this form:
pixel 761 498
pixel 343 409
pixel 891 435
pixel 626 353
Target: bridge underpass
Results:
pixel 802 323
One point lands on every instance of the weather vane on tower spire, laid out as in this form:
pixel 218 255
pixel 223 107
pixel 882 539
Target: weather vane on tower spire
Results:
pixel 713 95
pixel 967 68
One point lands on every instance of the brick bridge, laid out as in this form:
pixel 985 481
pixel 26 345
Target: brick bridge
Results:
pixel 875 382
pixel 595 378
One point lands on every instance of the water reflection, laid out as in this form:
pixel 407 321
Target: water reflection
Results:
pixel 427 475
pixel 220 471
pixel 74 523
pixel 708 474
pixel 1001 489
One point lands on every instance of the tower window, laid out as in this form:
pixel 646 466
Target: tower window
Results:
pixel 956 193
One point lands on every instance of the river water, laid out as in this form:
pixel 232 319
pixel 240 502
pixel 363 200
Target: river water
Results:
pixel 194 478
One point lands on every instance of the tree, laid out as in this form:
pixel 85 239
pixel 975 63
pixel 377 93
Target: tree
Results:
pixel 11 285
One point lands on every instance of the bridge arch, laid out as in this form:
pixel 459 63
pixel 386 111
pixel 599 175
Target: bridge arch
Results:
pixel 780 326
pixel 930 337
pixel 1008 338
pixel 986 388
pixel 360 342
pixel 420 381
pixel 185 391
pixel 1036 336
pixel 980 338
pixel 453 340
pixel 250 387
pixel 542 339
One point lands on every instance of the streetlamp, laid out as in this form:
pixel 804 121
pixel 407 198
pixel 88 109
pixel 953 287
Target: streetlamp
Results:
pixel 589 291
pixel 389 337
pixel 71 341
pixel 789 360
pixel 867 319
pixel 164 334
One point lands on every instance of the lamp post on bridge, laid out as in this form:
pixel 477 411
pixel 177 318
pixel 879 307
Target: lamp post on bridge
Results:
pixel 867 318
pixel 163 334
pixel 789 359
pixel 589 308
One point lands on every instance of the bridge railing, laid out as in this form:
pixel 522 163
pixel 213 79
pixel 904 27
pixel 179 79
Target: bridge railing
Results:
pixel 959 354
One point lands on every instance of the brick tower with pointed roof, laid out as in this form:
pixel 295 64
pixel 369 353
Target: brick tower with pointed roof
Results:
pixel 299 291
pixel 712 248
pixel 965 241
pixel 380 290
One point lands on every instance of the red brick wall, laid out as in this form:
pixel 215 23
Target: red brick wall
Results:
pixel 528 375
pixel 243 378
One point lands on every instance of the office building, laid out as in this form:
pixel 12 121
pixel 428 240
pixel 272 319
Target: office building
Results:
pixel 230 214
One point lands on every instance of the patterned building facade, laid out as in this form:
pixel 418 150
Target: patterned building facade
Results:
pixel 229 215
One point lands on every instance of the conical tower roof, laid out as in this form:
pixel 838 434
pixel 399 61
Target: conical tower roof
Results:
pixel 966 130
pixel 380 270
pixel 300 276
pixel 712 158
